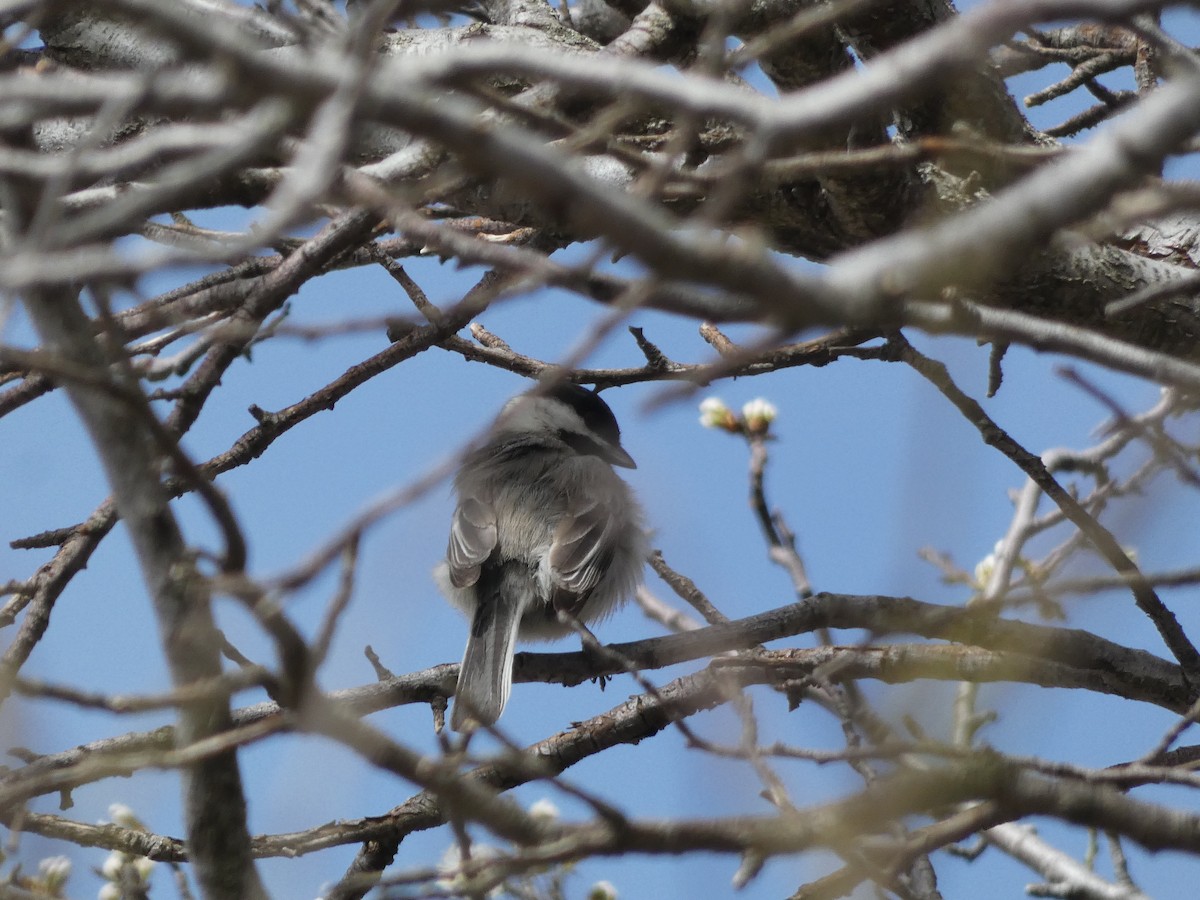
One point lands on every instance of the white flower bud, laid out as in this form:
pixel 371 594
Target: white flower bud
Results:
pixel 715 414
pixel 758 415
pixel 54 865
pixel 984 569
pixel 120 814
pixel 143 865
pixel 55 871
pixel 113 864
pixel 544 810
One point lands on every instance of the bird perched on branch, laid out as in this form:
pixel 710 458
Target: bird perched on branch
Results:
pixel 544 526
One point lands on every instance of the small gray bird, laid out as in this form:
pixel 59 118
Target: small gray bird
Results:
pixel 543 524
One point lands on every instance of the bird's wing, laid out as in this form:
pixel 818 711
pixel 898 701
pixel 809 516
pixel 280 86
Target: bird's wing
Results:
pixel 580 553
pixel 472 540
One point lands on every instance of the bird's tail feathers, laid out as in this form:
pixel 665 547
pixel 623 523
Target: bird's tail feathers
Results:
pixel 485 677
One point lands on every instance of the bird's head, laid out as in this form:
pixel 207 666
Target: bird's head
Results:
pixel 574 415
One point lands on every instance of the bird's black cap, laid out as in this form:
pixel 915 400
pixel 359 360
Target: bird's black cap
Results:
pixel 597 417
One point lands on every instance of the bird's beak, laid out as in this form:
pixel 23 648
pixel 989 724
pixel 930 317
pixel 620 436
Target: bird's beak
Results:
pixel 615 455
